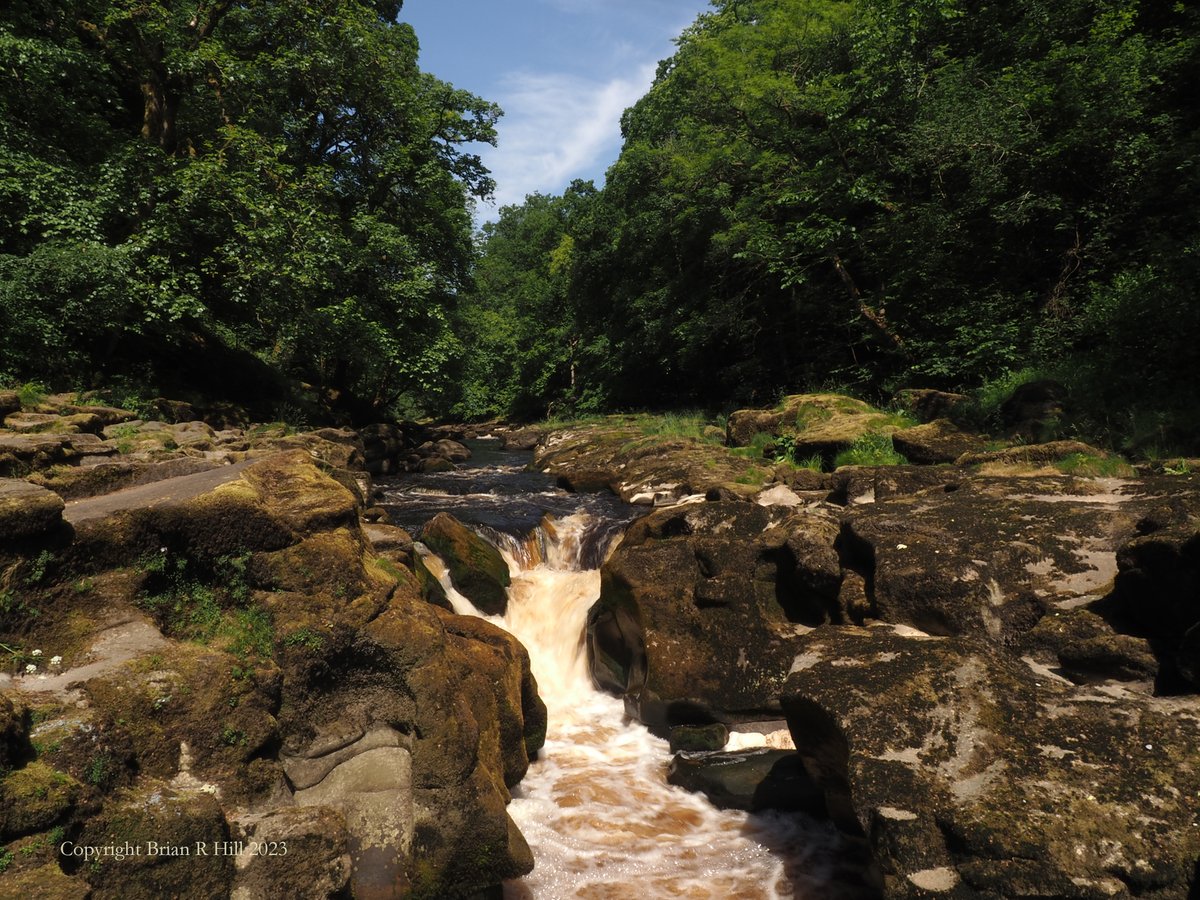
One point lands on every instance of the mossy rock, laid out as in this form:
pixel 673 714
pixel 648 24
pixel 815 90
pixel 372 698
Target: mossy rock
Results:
pixel 14 732
pixel 752 780
pixel 155 816
pixel 27 510
pixel 476 568
pixel 45 882
pixel 35 798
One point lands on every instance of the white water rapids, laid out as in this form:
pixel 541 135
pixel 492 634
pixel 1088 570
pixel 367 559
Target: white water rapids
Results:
pixel 595 806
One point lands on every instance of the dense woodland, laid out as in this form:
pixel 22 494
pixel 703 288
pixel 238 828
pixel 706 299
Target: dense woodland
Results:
pixel 272 199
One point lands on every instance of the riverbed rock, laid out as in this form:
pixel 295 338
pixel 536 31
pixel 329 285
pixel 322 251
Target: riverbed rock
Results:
pixel 618 456
pixel 10 402
pixel 991 556
pixel 34 798
pixel 753 780
pixel 927 404
pixel 1033 454
pixel 975 774
pixel 698 607
pixel 476 567
pixel 1157 593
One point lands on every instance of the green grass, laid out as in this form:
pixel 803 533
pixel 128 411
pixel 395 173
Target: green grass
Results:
pixel 1089 466
pixel 870 450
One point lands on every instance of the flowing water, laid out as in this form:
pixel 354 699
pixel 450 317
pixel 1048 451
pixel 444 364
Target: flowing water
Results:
pixel 595 806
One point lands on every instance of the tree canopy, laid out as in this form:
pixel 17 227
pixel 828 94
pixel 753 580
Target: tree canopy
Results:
pixel 875 193
pixel 182 184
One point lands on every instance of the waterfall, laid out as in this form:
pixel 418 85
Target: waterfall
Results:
pixel 595 806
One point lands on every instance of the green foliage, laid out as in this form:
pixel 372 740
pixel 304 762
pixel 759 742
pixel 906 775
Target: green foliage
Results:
pixel 270 181
pixel 6 859
pixel 870 450
pixel 306 638
pixel 207 603
pixel 37 568
pixel 1091 466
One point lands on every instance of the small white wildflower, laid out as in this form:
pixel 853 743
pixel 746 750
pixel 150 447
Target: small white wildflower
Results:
pixel 162 549
pixel 35 653
pixel 902 546
pixel 30 669
pixel 1149 746
pixel 56 660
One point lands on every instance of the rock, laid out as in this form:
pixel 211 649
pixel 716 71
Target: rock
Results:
pixel 856 485
pixel 732 491
pixel 430 588
pixel 10 402
pixel 435 464
pixel 476 567
pixel 966 767
pixel 990 557
pixel 940 441
pixel 27 510
pixel 35 798
pixel 173 410
pixel 618 456
pixel 1157 593
pixel 390 539
pixel 14 735
pixel 753 780
pixel 46 882
pixel 316 865
pixel 1086 648
pixel 40 423
pixel 1035 409
pixel 927 404
pixel 73 483
pixel 107 415
pixel 698 737
pixel 159 816
pixel 1033 454
pixel 778 495
pixel 823 424
pixel 524 439
pixel 697 606
pixel 20 454
pixel 451 450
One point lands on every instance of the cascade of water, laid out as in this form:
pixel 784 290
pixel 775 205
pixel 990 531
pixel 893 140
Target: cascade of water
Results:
pixel 595 807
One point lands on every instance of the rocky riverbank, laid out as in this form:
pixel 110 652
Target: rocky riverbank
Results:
pixel 205 647
pixel 988 666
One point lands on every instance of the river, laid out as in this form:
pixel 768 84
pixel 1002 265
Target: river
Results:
pixel 595 807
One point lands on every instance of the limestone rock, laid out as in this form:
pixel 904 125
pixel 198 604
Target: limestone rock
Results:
pixel 476 567
pixel 992 556
pixel 939 441
pixel 316 865
pixel 35 798
pixel 822 424
pixel 974 771
pixel 1032 454
pixel 27 510
pixel 697 606
pixel 10 402
pixel 928 404
pixel 159 815
pixel 753 780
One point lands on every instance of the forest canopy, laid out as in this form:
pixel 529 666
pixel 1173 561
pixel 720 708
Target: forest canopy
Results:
pixel 266 197
pixel 876 194
pixel 231 194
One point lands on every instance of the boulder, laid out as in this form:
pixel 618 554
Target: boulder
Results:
pixel 1034 410
pixel 939 441
pixel 10 402
pixel 698 607
pixel 14 735
pixel 1033 454
pixel 35 798
pixel 27 510
pixel 752 780
pixel 476 567
pixel 975 774
pixel 823 424
pixel 927 404
pixel 699 737
pixel 523 439
pixel 451 450
pixel 1157 593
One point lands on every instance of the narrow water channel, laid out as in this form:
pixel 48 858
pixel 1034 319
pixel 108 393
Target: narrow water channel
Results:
pixel 595 806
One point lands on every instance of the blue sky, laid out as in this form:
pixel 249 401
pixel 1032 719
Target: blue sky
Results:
pixel 562 70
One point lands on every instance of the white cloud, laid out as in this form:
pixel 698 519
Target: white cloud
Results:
pixel 557 127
